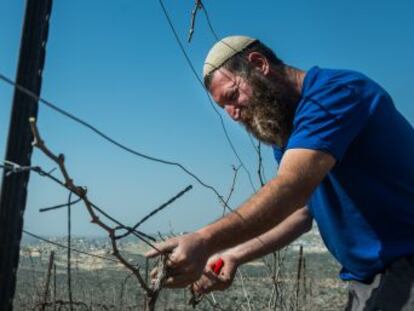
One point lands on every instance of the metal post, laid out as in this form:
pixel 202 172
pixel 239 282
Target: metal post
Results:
pixel 19 148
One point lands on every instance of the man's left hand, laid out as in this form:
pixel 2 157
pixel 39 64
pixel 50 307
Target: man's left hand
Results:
pixel 187 256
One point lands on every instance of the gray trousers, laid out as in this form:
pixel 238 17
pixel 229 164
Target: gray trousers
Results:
pixel 392 290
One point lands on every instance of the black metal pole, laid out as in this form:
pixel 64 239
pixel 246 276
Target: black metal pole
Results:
pixel 19 144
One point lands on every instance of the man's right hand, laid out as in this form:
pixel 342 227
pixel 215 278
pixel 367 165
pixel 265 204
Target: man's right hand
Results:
pixel 210 281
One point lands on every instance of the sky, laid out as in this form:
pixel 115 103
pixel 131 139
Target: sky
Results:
pixel 117 65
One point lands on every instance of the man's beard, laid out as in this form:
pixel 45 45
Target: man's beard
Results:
pixel 269 113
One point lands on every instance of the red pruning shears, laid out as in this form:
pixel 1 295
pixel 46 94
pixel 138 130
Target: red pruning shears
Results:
pixel 217 265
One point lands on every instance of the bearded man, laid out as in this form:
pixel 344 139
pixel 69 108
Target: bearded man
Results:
pixel 345 159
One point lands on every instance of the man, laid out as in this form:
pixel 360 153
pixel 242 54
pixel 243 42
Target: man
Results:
pixel 345 159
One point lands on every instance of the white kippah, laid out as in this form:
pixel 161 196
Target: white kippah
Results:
pixel 224 50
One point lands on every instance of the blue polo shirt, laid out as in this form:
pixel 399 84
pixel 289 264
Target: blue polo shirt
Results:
pixel 364 207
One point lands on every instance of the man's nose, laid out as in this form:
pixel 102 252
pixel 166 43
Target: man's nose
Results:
pixel 233 112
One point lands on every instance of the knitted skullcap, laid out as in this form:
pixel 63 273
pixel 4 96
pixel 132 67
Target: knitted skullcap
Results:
pixel 223 50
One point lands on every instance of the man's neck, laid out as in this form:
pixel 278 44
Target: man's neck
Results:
pixel 296 76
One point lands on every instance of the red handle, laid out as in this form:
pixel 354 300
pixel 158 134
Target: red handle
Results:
pixel 217 265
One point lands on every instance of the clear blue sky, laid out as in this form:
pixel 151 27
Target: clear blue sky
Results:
pixel 117 65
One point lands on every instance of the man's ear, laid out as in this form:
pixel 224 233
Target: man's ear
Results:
pixel 259 61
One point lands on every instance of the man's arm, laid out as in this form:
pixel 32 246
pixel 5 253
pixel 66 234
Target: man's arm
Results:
pixel 300 172
pixel 278 237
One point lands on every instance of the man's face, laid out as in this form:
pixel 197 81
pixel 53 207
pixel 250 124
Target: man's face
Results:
pixel 231 92
pixel 263 104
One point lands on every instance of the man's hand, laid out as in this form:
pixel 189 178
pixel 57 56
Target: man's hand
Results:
pixel 187 256
pixel 210 281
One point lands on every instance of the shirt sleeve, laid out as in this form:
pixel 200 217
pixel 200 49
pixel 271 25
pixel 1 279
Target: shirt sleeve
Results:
pixel 329 120
pixel 277 153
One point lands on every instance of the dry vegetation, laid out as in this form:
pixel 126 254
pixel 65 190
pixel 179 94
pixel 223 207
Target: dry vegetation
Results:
pixel 267 284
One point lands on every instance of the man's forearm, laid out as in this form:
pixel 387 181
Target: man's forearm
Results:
pixel 276 238
pixel 259 214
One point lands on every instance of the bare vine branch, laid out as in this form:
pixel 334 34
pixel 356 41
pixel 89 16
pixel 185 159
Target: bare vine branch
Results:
pixel 155 211
pixel 197 6
pixel 233 185
pixel 153 291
